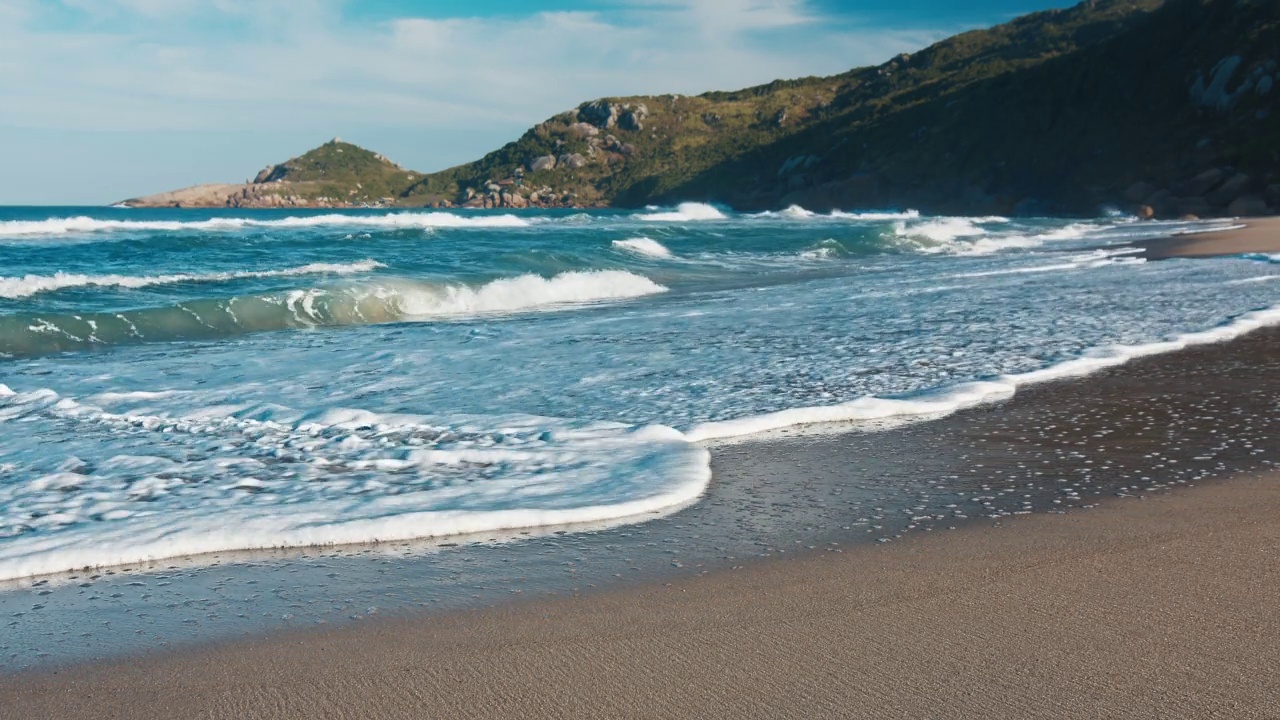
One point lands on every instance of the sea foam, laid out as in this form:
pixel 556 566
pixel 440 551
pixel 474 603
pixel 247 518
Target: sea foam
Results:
pixel 314 481
pixel 522 293
pixel 938 402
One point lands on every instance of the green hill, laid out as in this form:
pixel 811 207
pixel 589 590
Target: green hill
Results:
pixel 1163 103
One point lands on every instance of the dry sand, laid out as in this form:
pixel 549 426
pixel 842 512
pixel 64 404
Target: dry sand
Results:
pixel 1258 235
pixel 1163 607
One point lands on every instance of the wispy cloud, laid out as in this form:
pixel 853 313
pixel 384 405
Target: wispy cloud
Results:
pixel 318 68
pixel 140 63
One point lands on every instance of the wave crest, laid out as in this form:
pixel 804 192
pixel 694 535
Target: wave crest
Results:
pixel 644 246
pixel 685 212
pixel 83 224
pixel 359 303
pixel 28 285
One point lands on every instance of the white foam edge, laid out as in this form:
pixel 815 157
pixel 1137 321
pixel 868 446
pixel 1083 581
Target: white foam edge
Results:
pixel 690 463
pixel 940 402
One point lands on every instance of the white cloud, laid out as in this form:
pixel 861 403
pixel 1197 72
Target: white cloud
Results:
pixel 426 91
pixel 147 66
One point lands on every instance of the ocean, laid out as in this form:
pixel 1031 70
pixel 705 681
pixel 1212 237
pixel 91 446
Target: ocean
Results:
pixel 182 382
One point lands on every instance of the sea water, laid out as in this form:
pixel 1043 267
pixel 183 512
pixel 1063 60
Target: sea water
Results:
pixel 178 382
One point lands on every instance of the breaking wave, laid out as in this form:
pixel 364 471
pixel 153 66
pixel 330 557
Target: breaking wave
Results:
pixel 84 224
pixel 685 212
pixel 28 285
pixel 644 246
pixel 358 303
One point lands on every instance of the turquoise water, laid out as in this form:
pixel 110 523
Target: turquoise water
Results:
pixel 178 382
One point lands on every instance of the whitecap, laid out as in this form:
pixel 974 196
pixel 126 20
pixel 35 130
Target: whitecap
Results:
pixel 685 212
pixel 644 246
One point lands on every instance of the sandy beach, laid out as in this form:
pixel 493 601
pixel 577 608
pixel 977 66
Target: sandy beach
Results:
pixel 1162 607
pixel 1254 235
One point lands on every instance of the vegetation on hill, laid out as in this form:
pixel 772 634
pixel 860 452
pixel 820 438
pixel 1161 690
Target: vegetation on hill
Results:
pixel 342 171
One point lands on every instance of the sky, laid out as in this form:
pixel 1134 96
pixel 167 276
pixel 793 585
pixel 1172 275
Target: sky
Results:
pixel 102 100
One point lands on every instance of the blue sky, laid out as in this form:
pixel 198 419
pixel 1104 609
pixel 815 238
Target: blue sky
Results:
pixel 108 99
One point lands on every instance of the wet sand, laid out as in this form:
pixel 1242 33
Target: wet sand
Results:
pixel 1151 604
pixel 1163 607
pixel 1257 235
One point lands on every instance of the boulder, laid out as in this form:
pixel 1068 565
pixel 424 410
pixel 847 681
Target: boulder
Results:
pixel 601 113
pixel 1229 190
pixel 545 162
pixel 626 148
pixel 572 161
pixel 630 121
pixel 641 110
pixel 1145 212
pixel 1139 191
pixel 516 200
pixel 582 129
pixel 1212 93
pixel 1202 183
pixel 1247 206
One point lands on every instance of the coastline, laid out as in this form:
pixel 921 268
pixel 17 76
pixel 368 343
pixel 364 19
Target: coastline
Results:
pixel 1140 428
pixel 1139 607
pixel 1149 608
pixel 1248 236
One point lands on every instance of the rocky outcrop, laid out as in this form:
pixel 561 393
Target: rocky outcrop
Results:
pixel 545 162
pixel 572 161
pixel 1248 206
pixel 630 121
pixel 1229 191
pixel 601 113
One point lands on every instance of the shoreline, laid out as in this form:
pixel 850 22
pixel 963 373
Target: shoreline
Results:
pixel 1140 608
pixel 1140 428
pixel 1249 236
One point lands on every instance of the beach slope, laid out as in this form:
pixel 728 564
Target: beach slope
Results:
pixel 1260 236
pixel 1143 608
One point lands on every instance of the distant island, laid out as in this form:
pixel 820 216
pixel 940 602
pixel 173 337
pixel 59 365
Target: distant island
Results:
pixel 1163 108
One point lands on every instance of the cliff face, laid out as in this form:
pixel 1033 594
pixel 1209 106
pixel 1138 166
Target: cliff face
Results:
pixel 1167 107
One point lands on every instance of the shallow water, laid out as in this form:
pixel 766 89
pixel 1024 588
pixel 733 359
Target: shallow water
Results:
pixel 179 382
